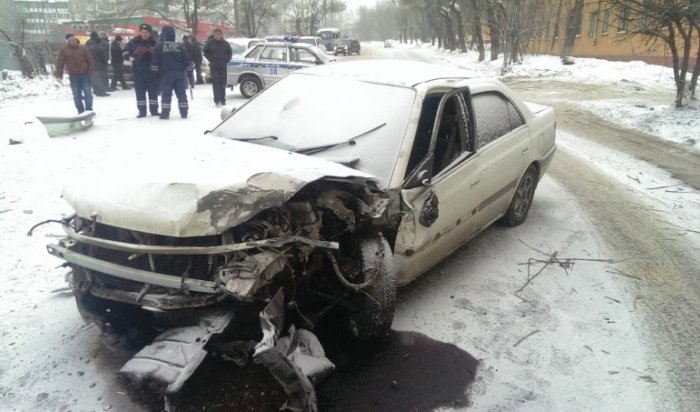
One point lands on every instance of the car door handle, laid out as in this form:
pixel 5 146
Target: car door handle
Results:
pixel 476 182
pixel 525 150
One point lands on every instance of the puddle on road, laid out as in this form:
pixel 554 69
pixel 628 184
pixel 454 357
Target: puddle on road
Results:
pixel 408 372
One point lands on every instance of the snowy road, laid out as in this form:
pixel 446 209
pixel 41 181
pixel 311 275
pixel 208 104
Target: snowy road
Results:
pixel 584 335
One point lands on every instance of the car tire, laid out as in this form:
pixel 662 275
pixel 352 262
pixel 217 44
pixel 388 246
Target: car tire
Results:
pixel 377 302
pixel 250 86
pixel 522 199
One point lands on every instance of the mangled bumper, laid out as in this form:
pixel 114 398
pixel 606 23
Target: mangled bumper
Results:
pixel 169 291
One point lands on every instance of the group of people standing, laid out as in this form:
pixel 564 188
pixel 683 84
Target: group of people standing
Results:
pixel 158 67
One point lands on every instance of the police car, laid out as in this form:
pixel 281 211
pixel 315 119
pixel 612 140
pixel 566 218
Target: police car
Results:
pixel 265 63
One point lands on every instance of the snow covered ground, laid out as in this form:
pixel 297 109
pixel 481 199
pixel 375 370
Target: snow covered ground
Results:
pixel 575 344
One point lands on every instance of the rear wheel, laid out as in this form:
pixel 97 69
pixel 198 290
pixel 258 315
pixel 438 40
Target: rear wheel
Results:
pixel 250 86
pixel 522 199
pixel 376 303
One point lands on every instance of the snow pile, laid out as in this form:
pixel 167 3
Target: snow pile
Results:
pixel 15 86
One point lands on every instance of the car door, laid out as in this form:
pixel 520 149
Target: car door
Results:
pixel 302 57
pixel 273 63
pixel 503 143
pixel 441 192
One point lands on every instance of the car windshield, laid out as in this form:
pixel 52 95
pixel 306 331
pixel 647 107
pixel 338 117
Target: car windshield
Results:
pixel 307 40
pixel 237 48
pixel 344 42
pixel 304 111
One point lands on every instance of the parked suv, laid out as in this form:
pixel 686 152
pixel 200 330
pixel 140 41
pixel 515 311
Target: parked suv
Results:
pixel 347 46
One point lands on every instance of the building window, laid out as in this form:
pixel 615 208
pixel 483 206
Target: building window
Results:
pixel 623 20
pixel 606 22
pixel 593 24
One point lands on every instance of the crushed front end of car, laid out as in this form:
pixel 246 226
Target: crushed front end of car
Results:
pixel 290 245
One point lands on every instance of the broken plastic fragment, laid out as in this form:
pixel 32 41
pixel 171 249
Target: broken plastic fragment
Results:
pixel 176 353
pixel 296 361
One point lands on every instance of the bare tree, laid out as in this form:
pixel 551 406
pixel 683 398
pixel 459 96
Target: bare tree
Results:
pixel 573 28
pixel 494 30
pixel 672 22
pixel 477 29
pixel 18 51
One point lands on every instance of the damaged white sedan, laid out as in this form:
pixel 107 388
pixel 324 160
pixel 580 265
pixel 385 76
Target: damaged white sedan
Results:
pixel 337 184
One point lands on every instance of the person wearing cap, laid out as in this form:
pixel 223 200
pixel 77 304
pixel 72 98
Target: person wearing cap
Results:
pixel 115 52
pixel 78 61
pixel 219 53
pixel 140 50
pixel 171 61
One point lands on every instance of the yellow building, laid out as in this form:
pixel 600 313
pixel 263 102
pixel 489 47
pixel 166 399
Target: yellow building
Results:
pixel 603 33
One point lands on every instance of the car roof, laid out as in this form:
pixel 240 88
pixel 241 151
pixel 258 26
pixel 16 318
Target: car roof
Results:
pixel 284 43
pixel 392 72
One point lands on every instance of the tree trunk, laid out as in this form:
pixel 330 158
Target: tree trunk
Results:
pixel 236 17
pixel 573 27
pixel 555 34
pixel 460 28
pixel 476 31
pixel 696 73
pixel 494 30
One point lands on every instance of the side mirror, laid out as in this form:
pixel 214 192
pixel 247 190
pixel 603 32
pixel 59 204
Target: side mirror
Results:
pixel 226 111
pixel 422 177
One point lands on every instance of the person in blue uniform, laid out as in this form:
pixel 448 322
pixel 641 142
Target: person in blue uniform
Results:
pixel 140 50
pixel 172 63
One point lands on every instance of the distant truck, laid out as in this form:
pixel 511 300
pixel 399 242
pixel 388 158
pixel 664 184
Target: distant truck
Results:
pixel 329 36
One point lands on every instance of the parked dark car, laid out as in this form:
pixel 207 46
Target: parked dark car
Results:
pixel 347 47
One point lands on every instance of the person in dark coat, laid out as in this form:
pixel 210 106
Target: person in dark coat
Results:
pixel 197 58
pixel 171 61
pixel 101 59
pixel 117 60
pixel 104 75
pixel 219 53
pixel 189 49
pixel 140 50
pixel 77 59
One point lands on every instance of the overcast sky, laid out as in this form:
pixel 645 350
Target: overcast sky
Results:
pixel 352 4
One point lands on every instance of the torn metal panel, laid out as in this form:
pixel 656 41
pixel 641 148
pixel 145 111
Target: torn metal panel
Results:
pixel 242 278
pixel 195 250
pixel 176 353
pixel 296 361
pixel 194 285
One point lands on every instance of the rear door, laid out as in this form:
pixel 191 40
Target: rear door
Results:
pixel 503 143
pixel 273 63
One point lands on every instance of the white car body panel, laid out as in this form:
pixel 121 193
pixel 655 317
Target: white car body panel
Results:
pixel 195 187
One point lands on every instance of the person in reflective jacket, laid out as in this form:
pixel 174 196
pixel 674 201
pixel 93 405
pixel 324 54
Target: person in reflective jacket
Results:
pixel 139 50
pixel 172 63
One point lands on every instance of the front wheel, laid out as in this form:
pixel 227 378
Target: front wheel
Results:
pixel 522 199
pixel 376 303
pixel 250 86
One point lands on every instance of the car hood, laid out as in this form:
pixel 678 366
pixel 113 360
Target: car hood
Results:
pixel 194 187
